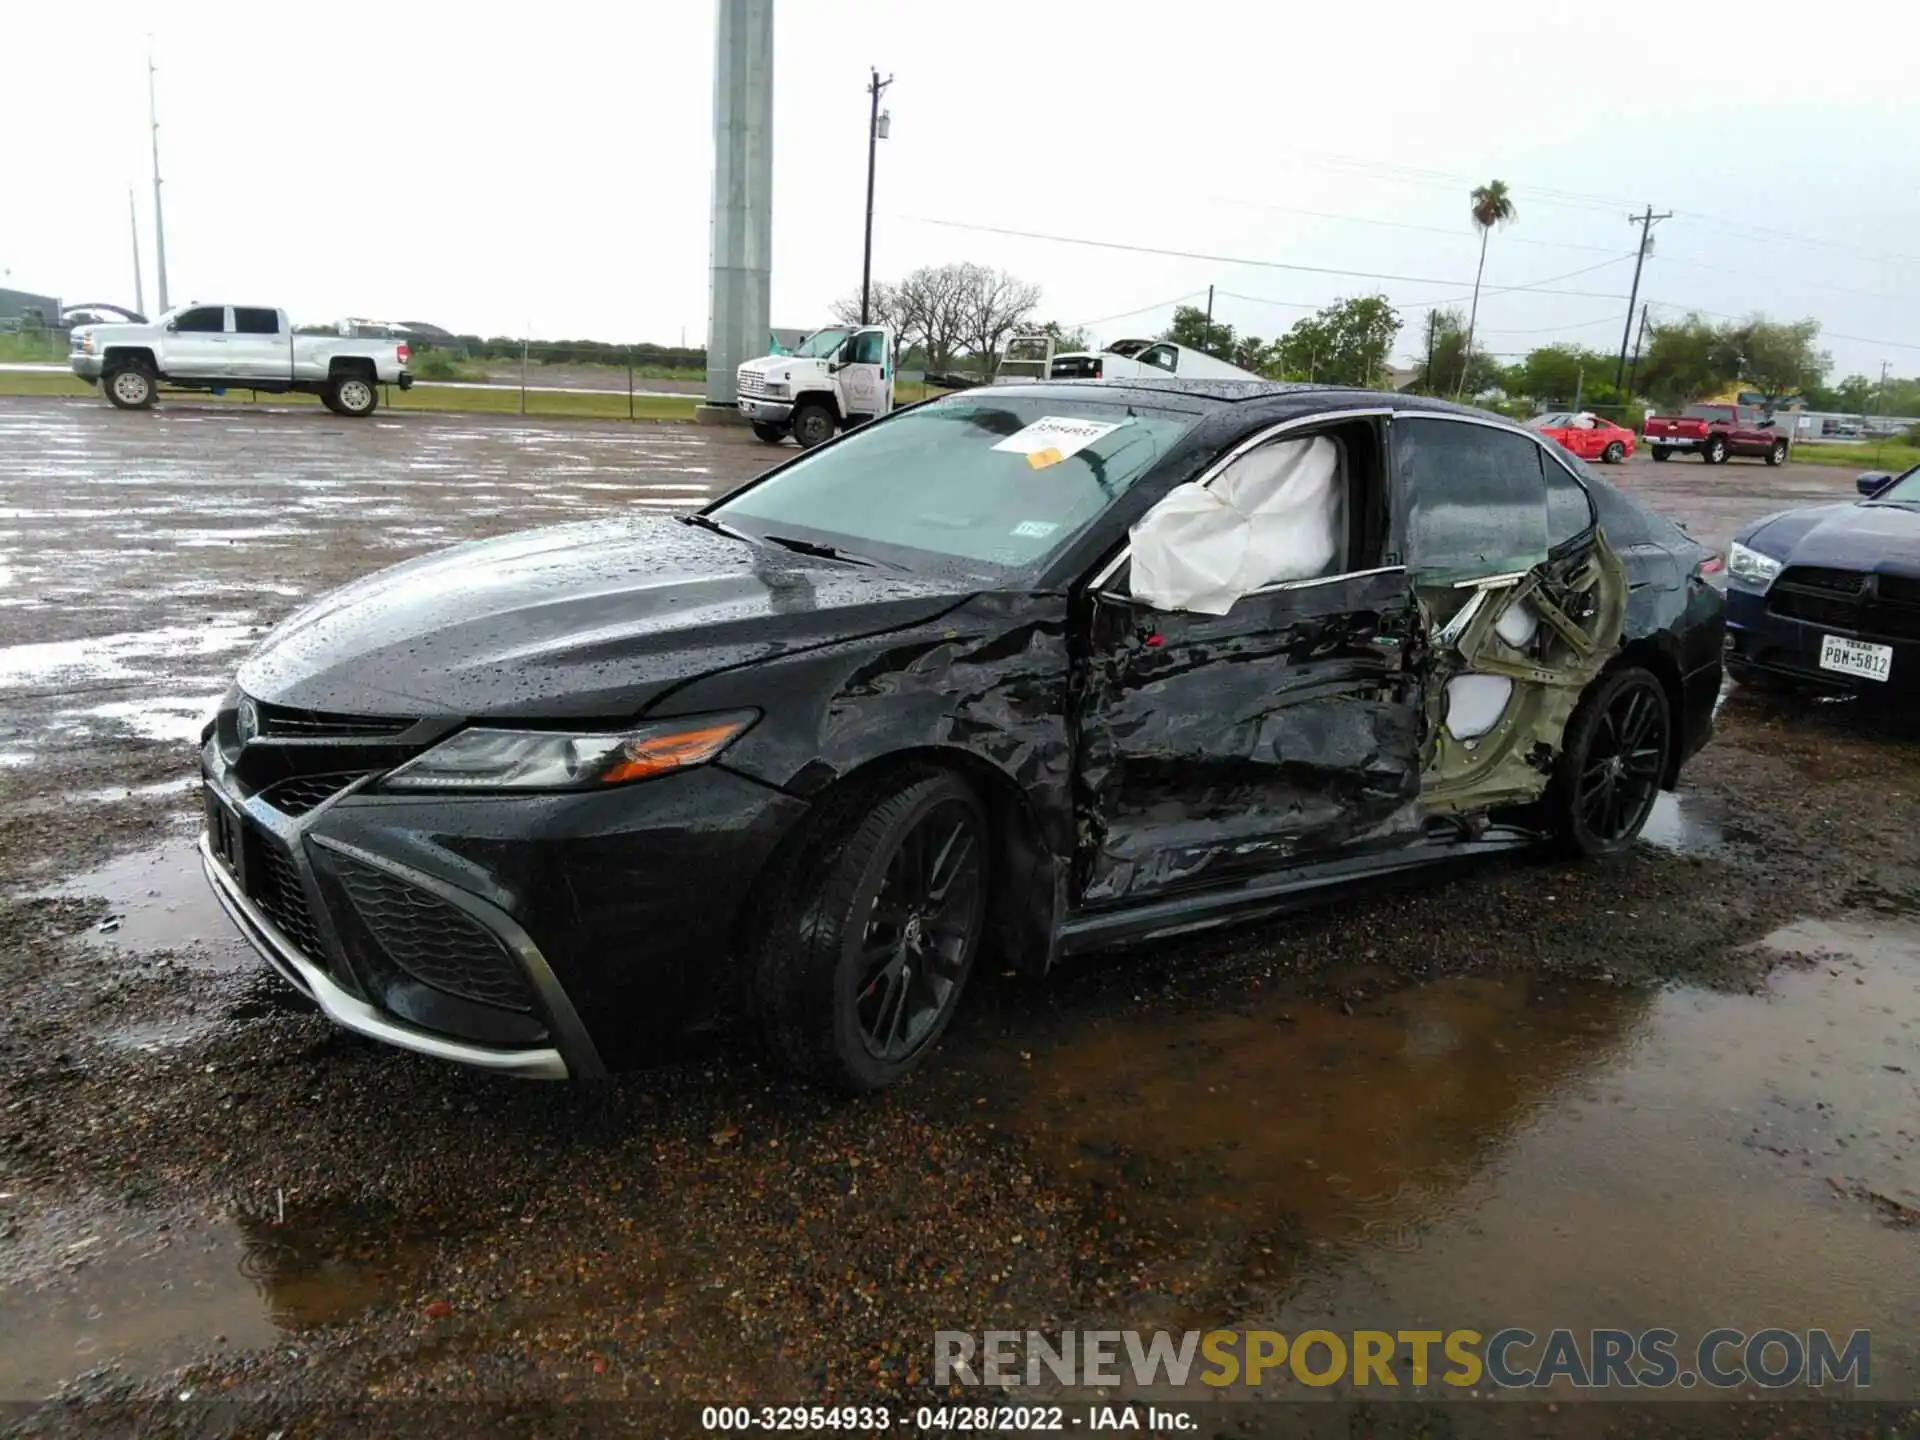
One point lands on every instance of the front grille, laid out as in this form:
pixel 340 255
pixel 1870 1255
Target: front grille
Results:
pixel 1815 577
pixel 278 722
pixel 308 792
pixel 436 943
pixel 1885 607
pixel 273 882
pixel 1899 590
pixel 752 382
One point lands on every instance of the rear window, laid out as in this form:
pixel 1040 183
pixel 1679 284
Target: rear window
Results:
pixel 977 478
pixel 250 321
pixel 1076 367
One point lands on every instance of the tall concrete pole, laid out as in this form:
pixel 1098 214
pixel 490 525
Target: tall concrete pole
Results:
pixel 159 229
pixel 741 263
pixel 133 222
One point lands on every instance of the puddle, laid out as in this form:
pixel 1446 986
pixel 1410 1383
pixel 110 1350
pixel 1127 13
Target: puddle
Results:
pixel 141 1295
pixel 1494 1151
pixel 160 898
pixel 1683 824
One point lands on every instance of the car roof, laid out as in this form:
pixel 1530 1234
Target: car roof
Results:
pixel 1285 396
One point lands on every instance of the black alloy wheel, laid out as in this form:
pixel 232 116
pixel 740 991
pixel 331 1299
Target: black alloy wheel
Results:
pixel 920 932
pixel 867 927
pixel 1615 757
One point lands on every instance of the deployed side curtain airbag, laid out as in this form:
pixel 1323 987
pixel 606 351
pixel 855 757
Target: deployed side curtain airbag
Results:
pixel 1275 514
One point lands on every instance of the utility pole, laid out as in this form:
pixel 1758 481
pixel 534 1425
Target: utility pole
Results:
pixel 1206 335
pixel 1433 317
pixel 877 127
pixel 1633 370
pixel 159 228
pixel 1646 223
pixel 133 221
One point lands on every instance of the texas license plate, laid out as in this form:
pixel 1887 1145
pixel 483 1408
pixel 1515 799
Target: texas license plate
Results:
pixel 1856 657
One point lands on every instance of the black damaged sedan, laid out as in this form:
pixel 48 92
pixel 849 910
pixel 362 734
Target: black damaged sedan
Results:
pixel 1020 672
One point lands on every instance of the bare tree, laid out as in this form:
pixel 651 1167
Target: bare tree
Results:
pixel 886 307
pixel 993 305
pixel 933 311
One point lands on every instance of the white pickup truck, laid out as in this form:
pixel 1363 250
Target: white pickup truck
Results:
pixel 236 347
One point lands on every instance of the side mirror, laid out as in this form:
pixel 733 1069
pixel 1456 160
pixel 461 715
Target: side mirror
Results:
pixel 172 326
pixel 1767 424
pixel 1872 483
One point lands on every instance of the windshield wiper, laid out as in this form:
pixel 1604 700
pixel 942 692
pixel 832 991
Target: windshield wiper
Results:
pixel 707 522
pixel 828 552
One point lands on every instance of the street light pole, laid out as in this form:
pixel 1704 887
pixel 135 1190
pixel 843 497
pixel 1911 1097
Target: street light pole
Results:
pixel 876 131
pixel 159 225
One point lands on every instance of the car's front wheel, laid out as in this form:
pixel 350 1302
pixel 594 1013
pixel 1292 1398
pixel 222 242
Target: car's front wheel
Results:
pixel 1614 453
pixel 131 387
pixel 1777 453
pixel 1716 451
pixel 1611 765
pixel 813 424
pixel 869 930
pixel 772 434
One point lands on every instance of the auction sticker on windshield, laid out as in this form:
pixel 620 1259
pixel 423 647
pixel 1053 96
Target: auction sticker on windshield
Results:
pixel 1052 438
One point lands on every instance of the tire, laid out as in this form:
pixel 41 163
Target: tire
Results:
pixel 1614 453
pixel 1716 451
pixel 326 399
pixel 813 424
pixel 130 387
pixel 353 395
pixel 1615 755
pixel 1777 453
pixel 1661 453
pixel 883 879
pixel 772 434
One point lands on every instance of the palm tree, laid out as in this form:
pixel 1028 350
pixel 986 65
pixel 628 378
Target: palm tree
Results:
pixel 1491 206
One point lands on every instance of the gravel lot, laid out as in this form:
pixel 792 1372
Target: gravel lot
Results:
pixel 1681 1090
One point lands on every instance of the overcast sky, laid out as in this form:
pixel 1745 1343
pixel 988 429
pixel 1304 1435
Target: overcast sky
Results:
pixel 547 168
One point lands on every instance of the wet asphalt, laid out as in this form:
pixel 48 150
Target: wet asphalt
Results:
pixel 1680 1090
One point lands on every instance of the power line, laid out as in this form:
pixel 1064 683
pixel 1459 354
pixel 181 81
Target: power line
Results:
pixel 1455 233
pixel 1258 264
pixel 1126 314
pixel 1413 175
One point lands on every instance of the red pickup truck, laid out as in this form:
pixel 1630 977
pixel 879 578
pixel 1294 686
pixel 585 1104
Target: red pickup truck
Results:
pixel 1716 432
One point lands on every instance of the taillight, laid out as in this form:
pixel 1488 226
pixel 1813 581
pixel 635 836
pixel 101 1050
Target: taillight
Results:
pixel 402 353
pixel 1712 565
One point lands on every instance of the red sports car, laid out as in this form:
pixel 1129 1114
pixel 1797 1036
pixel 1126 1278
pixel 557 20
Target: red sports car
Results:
pixel 1586 435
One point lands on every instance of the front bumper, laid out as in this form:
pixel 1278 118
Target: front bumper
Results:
pixel 1759 641
pixel 556 935
pixel 536 1063
pixel 87 367
pixel 767 412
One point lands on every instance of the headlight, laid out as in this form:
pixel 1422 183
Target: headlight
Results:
pixel 487 759
pixel 1744 563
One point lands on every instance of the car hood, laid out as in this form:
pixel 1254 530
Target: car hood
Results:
pixel 589 620
pixel 1859 536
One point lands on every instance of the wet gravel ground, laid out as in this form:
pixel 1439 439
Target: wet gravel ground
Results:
pixel 205 1190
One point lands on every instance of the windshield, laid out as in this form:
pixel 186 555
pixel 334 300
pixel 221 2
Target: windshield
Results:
pixel 822 343
pixel 990 482
pixel 1905 489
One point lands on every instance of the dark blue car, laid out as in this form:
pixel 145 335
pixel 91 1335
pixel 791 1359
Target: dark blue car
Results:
pixel 1830 595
